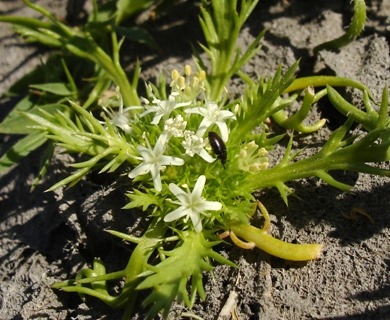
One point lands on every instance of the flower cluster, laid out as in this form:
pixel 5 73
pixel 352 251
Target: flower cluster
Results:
pixel 191 85
pixel 169 133
pixel 252 158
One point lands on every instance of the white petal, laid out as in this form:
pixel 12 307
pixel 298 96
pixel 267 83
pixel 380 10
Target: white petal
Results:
pixel 197 222
pixel 162 141
pixel 176 214
pixel 224 130
pixel 206 156
pixel 144 152
pixel 150 109
pixel 181 195
pixel 210 206
pixel 204 125
pixel 225 114
pixel 140 170
pixel 198 188
pixel 196 110
pixel 171 161
pixel 157 183
pixel 176 190
pixel 159 147
pixel 156 178
pixel 182 104
pixel 156 119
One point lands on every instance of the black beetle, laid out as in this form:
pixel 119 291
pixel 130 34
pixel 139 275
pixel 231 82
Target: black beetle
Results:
pixel 218 146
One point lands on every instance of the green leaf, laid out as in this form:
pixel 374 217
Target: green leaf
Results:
pixel 354 29
pixel 262 100
pixel 51 71
pixel 44 164
pixel 369 120
pixel 140 199
pixel 137 34
pixel 16 123
pixel 60 89
pixel 21 149
pixel 338 153
pixel 127 8
pixel 189 261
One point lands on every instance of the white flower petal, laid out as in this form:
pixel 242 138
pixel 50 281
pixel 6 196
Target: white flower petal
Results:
pixel 176 190
pixel 225 114
pixel 140 170
pixel 156 179
pixel 171 161
pixel 197 222
pixel 176 214
pixel 206 156
pixel 156 119
pixel 196 110
pixel 211 205
pixel 179 193
pixel 204 125
pixel 192 205
pixel 144 152
pixel 224 130
pixel 149 110
pixel 198 188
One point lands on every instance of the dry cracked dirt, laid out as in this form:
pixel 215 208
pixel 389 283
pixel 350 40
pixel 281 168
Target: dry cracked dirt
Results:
pixel 48 236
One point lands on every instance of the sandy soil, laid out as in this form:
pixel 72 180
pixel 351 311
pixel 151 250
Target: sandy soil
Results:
pixel 45 237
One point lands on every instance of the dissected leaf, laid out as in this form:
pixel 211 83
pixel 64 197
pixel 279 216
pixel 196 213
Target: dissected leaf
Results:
pixel 169 278
pixel 140 199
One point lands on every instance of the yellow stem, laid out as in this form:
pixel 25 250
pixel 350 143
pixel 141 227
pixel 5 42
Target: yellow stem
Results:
pixel 276 247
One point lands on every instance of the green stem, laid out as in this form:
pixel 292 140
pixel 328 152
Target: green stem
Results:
pixel 88 49
pixel 296 121
pixel 323 81
pixel 78 43
pixel 354 29
pixel 138 261
pixel 68 31
pixel 352 157
pixel 30 23
pixel 221 26
pixel 135 267
pixel 369 119
pixel 276 247
pixel 128 92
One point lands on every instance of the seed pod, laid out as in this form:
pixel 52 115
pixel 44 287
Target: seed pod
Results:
pixel 218 146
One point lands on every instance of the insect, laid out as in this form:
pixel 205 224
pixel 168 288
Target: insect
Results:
pixel 218 146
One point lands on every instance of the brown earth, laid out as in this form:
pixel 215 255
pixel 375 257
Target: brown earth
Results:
pixel 45 237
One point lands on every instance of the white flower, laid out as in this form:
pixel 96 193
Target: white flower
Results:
pixel 154 161
pixel 175 127
pixel 121 117
pixel 192 205
pixel 163 108
pixel 196 145
pixel 212 114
